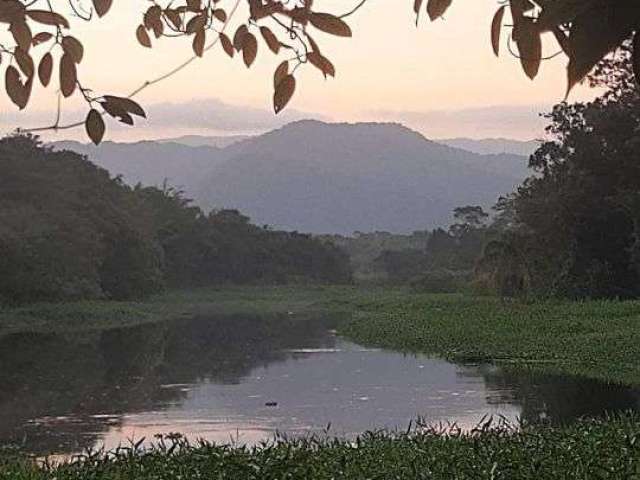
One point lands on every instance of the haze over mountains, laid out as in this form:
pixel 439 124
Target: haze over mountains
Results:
pixel 319 177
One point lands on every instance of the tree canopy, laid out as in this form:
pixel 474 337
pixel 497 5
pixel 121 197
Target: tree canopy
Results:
pixel 41 38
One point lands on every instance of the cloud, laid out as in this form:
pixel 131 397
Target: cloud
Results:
pixel 518 122
pixel 213 114
pixel 199 116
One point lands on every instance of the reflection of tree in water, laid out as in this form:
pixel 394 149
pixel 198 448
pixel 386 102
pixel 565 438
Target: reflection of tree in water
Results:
pixel 555 398
pixel 122 371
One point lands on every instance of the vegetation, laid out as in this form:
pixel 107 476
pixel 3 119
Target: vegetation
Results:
pixel 69 231
pixel 585 31
pixel 587 449
pixel 572 229
pixel 598 339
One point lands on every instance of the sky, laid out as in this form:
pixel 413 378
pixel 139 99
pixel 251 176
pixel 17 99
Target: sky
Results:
pixel 440 78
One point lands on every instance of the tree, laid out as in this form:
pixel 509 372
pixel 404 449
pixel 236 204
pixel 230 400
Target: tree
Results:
pixel 574 228
pixel 40 36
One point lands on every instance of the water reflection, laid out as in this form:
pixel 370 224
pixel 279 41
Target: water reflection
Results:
pixel 247 376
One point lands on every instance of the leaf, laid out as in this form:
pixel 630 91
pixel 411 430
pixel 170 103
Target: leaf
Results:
pixel 636 57
pixel 249 49
pixel 593 36
pixel 417 5
pixel 25 62
pixel 41 38
pixel 102 6
pixel 330 24
pixel 220 14
pixel 437 8
pixel 126 104
pixel 198 42
pixel 283 92
pixel 94 124
pixel 143 36
pixel 21 34
pixel 14 87
pixel 281 72
pixel 196 23
pixel 11 11
pixel 561 12
pixel 174 17
pixel 227 46
pixel 73 47
pixel 48 18
pixel 527 37
pixel 45 68
pixel 238 38
pixel 496 27
pixel 270 39
pixel 194 5
pixel 322 63
pixel 68 75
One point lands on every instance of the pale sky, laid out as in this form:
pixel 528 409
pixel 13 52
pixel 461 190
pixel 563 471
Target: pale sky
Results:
pixel 390 70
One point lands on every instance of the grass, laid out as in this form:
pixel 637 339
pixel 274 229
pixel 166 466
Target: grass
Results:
pixel 589 449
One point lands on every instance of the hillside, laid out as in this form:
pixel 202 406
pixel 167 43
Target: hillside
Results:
pixel 337 178
pixel 320 177
pixel 487 146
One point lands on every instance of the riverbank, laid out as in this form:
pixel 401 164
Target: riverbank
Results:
pixel 597 339
pixel 585 450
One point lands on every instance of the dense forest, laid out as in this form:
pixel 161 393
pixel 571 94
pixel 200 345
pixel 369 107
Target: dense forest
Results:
pixel 571 229
pixel 70 231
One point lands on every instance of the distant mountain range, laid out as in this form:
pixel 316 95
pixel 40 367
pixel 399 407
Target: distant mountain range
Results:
pixel 493 146
pixel 320 177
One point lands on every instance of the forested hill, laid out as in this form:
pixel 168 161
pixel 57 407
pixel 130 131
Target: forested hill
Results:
pixel 70 231
pixel 325 178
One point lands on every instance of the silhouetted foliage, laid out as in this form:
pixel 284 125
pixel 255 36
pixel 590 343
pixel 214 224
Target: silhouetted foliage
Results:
pixel 574 226
pixel 41 38
pixel 68 231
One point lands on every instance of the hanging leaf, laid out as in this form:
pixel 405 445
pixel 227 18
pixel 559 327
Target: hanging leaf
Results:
pixel 73 47
pixel 227 46
pixel 496 28
pixel 102 6
pixel 270 39
pixel 238 38
pixel 14 87
pixel 124 104
pixel 249 49
pixel 143 36
pixel 198 42
pixel 68 75
pixel 11 11
pixel 41 38
pixel 330 24
pixel 322 63
pixel 94 124
pixel 527 37
pixel 437 8
pixel 45 68
pixel 21 34
pixel 220 14
pixel 174 17
pixel 281 72
pixel 25 62
pixel 283 93
pixel 48 18
pixel 417 5
pixel 591 37
pixel 196 23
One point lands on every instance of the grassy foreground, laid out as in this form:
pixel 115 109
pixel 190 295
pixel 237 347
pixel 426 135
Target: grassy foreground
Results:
pixel 586 450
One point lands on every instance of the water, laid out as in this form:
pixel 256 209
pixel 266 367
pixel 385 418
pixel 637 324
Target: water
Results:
pixel 242 378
